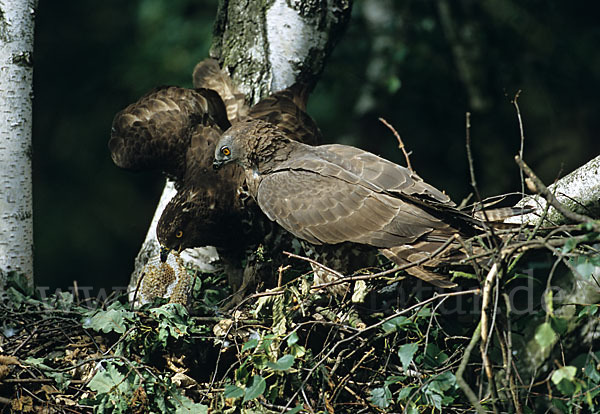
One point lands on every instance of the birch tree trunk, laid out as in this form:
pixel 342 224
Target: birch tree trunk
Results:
pixel 265 47
pixel 579 191
pixel 16 75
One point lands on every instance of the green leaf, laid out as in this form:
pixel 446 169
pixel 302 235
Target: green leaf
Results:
pixel 297 408
pixel 394 379
pixel 412 409
pixel 107 380
pixel 292 338
pixel 406 353
pixel 381 397
pixel 569 245
pixel 255 389
pixel 251 344
pixel 564 379
pixel 184 405
pixel 560 325
pixel 443 382
pixel 396 324
pixel 283 364
pixel 588 310
pixel 405 393
pixel 233 391
pixel 434 356
pixel 567 372
pixel 424 312
pixel 62 379
pixel 545 335
pixel 111 320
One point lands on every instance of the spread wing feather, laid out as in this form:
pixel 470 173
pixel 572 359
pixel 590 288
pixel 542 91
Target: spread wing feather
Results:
pixel 155 131
pixel 208 74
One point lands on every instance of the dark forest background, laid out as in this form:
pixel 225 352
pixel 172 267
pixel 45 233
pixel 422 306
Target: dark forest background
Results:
pixel 419 64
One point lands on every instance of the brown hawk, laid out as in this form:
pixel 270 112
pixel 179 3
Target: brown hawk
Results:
pixel 176 130
pixel 332 194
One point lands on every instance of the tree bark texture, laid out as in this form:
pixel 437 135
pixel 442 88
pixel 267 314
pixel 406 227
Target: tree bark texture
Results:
pixel 578 191
pixel 268 46
pixel 16 75
pixel 265 47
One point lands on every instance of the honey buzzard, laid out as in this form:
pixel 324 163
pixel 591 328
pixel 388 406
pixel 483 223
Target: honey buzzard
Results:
pixel 176 129
pixel 331 194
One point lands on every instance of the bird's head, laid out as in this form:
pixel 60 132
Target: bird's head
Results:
pixel 175 229
pixel 228 149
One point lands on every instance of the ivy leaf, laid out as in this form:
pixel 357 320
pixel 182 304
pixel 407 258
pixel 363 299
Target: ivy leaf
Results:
pixel 545 335
pixel 381 397
pixel 283 364
pixel 406 353
pixel 255 389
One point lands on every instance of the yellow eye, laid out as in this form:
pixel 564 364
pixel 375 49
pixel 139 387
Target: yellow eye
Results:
pixel 225 151
pixel 179 234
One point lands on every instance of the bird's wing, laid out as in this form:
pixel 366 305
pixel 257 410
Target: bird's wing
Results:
pixel 208 74
pixel 383 173
pixel 155 131
pixel 324 203
pixel 286 110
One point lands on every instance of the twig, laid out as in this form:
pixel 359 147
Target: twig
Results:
pixel 522 135
pixel 488 229
pixel 345 279
pixel 461 369
pixel 541 189
pixel 400 143
pixel 311 261
pixel 375 325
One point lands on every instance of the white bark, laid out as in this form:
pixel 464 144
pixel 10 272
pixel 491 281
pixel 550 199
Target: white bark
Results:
pixel 16 74
pixel 579 191
pixel 291 35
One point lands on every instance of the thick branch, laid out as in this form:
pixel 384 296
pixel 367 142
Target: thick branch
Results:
pixel 578 191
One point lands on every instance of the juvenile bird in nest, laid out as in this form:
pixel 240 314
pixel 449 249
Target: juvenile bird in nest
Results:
pixel 332 194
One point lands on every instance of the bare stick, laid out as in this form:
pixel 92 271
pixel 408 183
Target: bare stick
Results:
pixel 400 143
pixel 461 369
pixel 522 135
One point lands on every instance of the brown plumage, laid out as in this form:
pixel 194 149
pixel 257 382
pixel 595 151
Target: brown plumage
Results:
pixel 332 194
pixel 176 129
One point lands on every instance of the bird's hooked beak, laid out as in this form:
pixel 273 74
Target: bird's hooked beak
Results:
pixel 164 253
pixel 217 164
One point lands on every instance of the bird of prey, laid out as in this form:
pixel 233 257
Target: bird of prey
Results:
pixel 176 129
pixel 331 194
